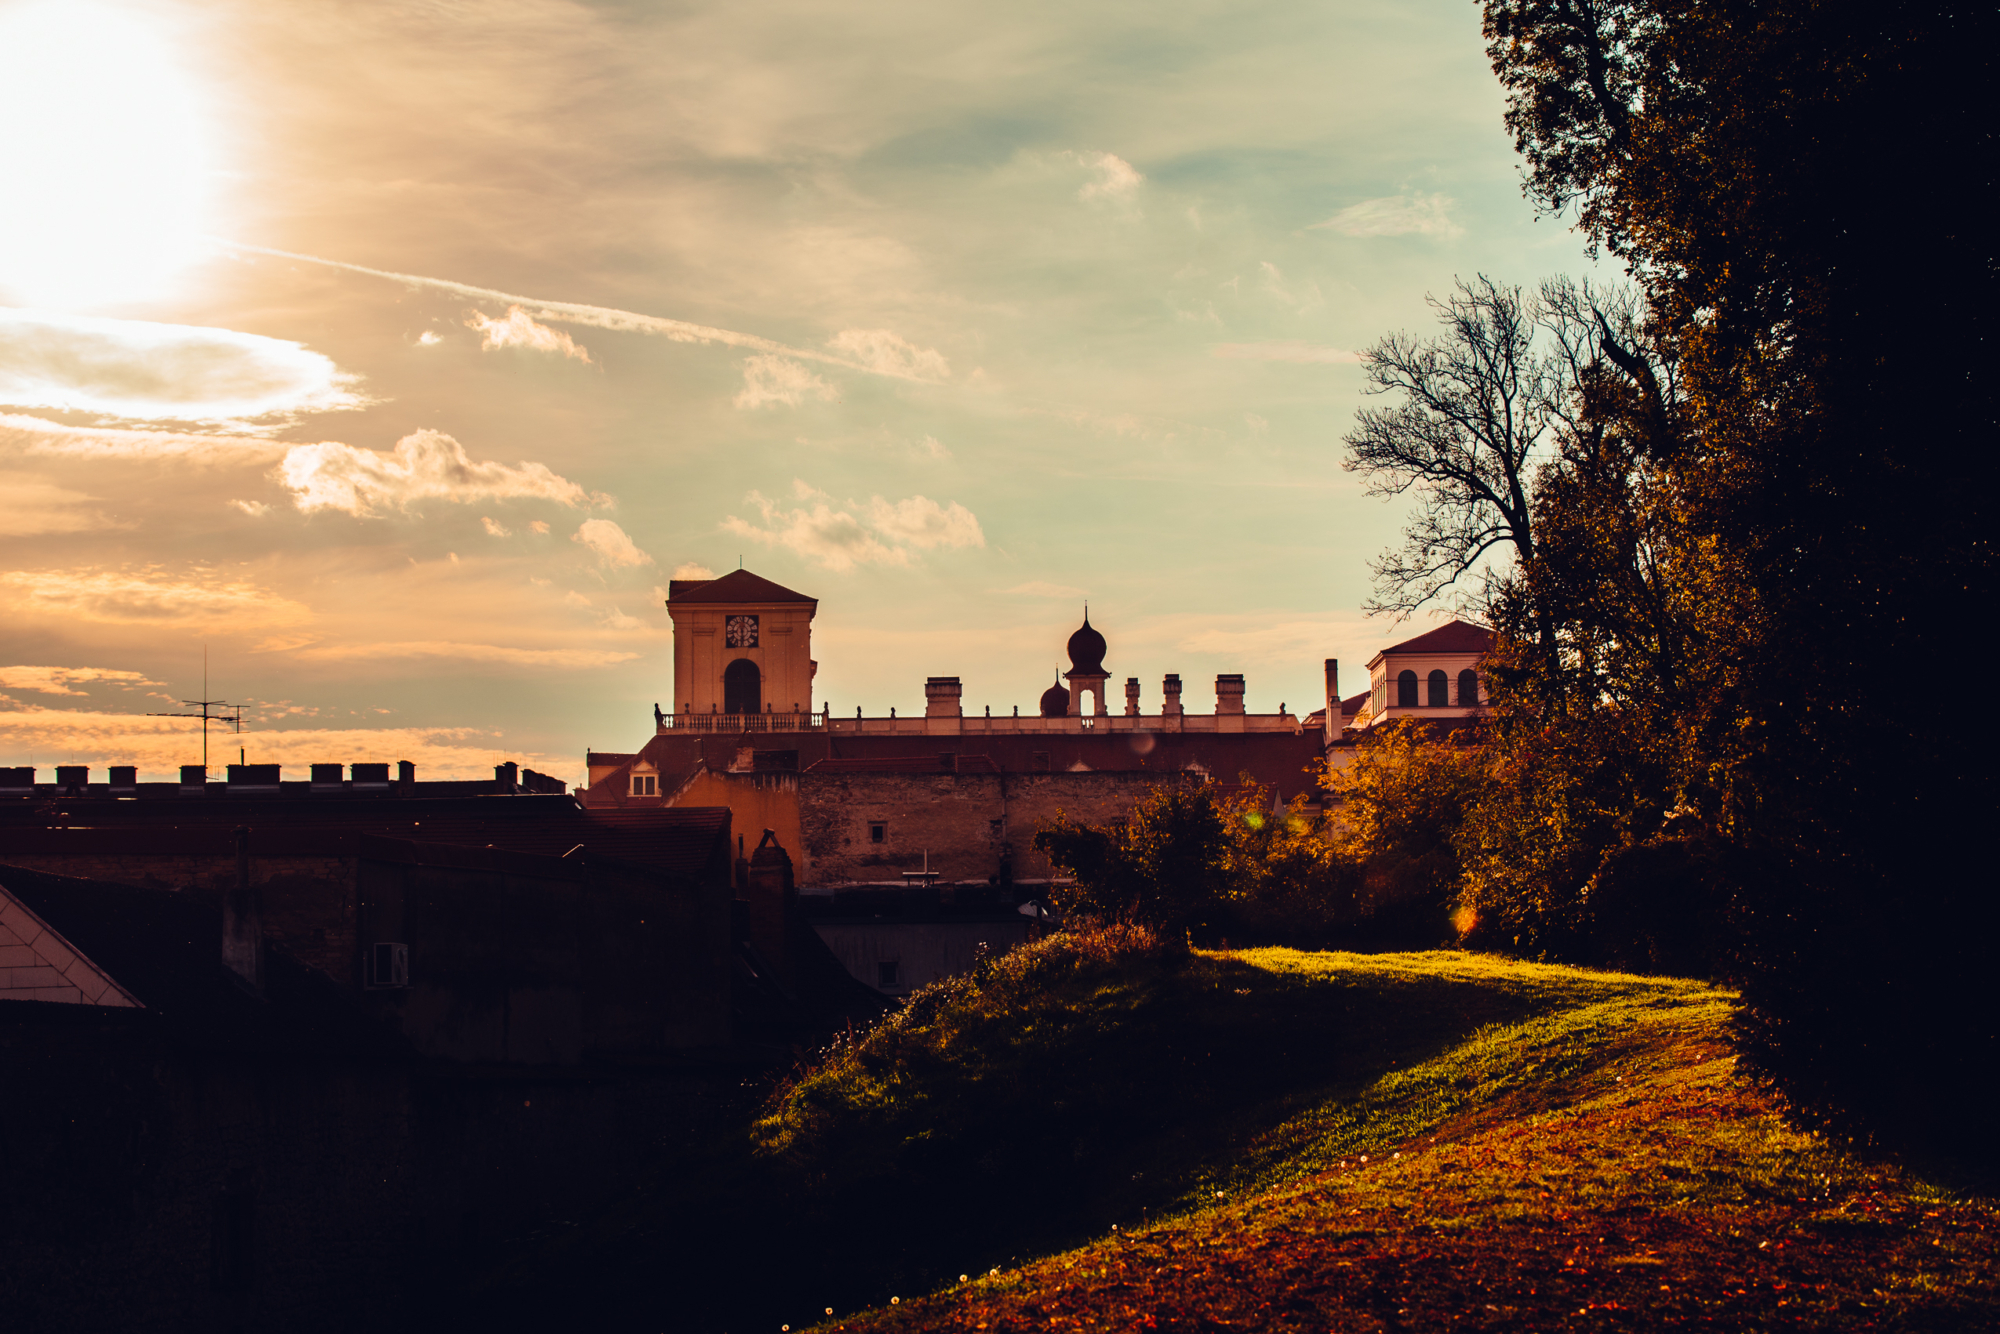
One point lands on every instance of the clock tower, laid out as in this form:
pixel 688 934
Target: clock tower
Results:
pixel 742 645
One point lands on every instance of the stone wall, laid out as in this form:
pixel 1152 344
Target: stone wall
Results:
pixel 968 823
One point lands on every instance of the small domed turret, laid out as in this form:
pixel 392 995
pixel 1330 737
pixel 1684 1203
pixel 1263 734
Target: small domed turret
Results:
pixel 1086 650
pixel 1055 702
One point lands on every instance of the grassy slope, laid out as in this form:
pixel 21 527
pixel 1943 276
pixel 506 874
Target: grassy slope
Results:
pixel 1589 1158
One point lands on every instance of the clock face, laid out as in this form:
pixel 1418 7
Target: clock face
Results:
pixel 741 632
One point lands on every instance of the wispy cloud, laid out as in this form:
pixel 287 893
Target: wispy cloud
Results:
pixel 1395 215
pixel 32 505
pixel 613 548
pixel 439 648
pixel 890 354
pixel 769 380
pixel 425 465
pixel 839 537
pixel 689 570
pixel 516 329
pixel 63 680
pixel 139 370
pixel 199 598
pixel 1116 179
pixel 493 527
pixel 1290 350
pixel 34 435
pixel 569 312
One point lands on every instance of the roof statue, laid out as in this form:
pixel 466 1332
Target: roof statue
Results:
pixel 1086 649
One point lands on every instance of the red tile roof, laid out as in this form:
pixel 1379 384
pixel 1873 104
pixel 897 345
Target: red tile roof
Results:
pixel 736 586
pixel 1458 637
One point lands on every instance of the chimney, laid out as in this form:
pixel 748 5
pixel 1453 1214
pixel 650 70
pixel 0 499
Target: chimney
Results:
pixel 72 779
pixel 1170 690
pixel 18 782
pixel 242 923
pixel 1229 693
pixel 507 777
pixel 370 777
pixel 941 697
pixel 406 779
pixel 124 780
pixel 1332 700
pixel 1131 697
pixel 326 778
pixel 194 780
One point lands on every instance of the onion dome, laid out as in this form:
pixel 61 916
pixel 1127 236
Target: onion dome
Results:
pixel 1055 702
pixel 1086 650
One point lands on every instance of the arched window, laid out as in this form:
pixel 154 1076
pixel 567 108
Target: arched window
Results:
pixel 1468 689
pixel 1440 690
pixel 1406 690
pixel 742 687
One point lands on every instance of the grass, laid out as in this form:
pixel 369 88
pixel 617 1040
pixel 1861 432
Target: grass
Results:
pixel 1101 1134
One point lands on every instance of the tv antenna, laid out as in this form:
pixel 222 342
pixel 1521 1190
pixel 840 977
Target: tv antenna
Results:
pixel 234 716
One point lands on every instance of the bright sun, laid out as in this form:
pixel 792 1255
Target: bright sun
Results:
pixel 106 155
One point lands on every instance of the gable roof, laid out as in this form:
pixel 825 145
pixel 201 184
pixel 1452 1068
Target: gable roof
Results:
pixel 736 586
pixel 43 966
pixel 1457 637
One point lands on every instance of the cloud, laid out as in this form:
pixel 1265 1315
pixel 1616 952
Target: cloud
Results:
pixel 517 330
pixel 568 312
pixel 425 465
pixel 889 354
pixel 494 528
pixel 60 680
pixel 199 599
pixel 32 505
pixel 1291 350
pixel 1039 588
pixel 157 746
pixel 256 509
pixel 1116 178
pixel 429 338
pixel 1395 215
pixel 775 380
pixel 538 526
pixel 163 372
pixel 109 443
pixel 691 570
pixel 932 448
pixel 608 540
pixel 839 539
pixel 438 648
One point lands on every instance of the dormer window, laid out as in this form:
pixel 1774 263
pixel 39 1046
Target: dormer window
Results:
pixel 645 785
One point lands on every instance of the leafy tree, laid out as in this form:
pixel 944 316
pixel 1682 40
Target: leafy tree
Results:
pixel 1809 505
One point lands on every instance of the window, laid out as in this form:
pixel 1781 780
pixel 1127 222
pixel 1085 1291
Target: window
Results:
pixel 388 965
pixel 886 974
pixel 645 785
pixel 878 831
pixel 1406 690
pixel 1468 689
pixel 1440 690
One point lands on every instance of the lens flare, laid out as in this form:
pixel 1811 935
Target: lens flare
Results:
pixel 105 148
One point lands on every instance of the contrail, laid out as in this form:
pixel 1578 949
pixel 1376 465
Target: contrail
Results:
pixel 597 317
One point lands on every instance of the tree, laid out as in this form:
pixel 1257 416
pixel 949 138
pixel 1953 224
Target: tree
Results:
pixel 1476 406
pixel 1816 508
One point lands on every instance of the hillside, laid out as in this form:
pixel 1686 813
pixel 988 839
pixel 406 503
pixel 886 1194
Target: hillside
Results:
pixel 1099 1134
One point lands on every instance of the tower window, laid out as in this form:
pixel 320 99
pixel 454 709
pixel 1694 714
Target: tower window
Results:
pixel 878 831
pixel 1406 690
pixel 1440 690
pixel 1468 689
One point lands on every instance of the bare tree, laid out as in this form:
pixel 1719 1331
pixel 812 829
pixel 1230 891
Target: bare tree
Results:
pixel 1477 403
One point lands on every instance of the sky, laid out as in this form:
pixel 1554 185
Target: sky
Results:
pixel 390 359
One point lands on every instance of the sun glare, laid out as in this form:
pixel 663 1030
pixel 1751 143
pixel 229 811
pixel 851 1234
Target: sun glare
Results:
pixel 105 151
